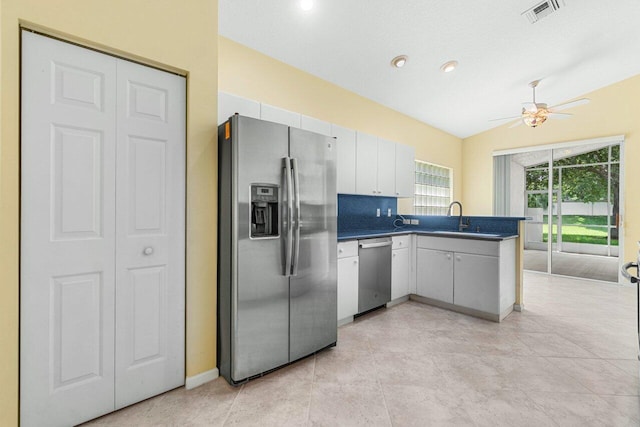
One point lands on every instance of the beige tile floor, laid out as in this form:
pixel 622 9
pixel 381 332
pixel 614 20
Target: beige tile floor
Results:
pixel 570 359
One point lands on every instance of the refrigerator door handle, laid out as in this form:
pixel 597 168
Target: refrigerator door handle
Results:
pixel 296 187
pixel 289 242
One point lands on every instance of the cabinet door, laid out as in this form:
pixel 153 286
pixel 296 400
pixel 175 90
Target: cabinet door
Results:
pixel 347 287
pixel 229 104
pixel 314 125
pixel 400 273
pixel 279 115
pixel 366 164
pixel 405 167
pixel 477 282
pixel 435 275
pixel 346 159
pixel 386 168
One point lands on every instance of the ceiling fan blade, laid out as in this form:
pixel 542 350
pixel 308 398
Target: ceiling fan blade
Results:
pixel 516 124
pixel 570 104
pixel 505 118
pixel 530 107
pixel 553 115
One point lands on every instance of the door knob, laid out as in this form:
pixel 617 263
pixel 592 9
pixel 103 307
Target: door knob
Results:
pixel 148 250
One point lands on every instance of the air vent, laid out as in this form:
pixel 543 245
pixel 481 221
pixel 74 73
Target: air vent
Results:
pixel 542 10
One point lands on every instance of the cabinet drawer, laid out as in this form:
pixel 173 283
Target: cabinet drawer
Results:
pixel 401 242
pixel 347 249
pixel 469 246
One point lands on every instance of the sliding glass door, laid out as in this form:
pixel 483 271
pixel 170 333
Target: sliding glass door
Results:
pixel 572 199
pixel 586 211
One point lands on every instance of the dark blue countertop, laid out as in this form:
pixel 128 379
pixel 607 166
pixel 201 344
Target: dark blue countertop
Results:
pixel 365 234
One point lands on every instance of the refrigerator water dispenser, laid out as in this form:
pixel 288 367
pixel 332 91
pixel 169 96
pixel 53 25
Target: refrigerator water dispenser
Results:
pixel 264 211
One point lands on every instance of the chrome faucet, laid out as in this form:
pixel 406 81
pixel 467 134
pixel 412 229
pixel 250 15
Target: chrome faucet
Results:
pixel 461 225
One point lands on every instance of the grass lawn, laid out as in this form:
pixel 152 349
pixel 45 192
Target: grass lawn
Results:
pixel 580 229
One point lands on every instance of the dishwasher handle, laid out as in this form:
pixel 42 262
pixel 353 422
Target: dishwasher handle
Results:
pixel 375 245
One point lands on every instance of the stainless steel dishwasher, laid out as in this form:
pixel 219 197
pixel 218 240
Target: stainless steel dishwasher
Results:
pixel 374 280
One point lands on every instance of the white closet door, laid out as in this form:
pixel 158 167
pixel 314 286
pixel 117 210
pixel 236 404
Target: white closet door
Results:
pixel 150 260
pixel 67 233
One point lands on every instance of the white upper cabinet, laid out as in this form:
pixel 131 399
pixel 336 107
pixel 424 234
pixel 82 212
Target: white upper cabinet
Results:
pixel 346 167
pixel 315 125
pixel 405 167
pixel 376 166
pixel 229 104
pixel 366 164
pixel 279 115
pixel 386 168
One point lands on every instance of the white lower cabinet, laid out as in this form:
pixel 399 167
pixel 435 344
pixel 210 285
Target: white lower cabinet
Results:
pixel 400 266
pixel 474 274
pixel 435 274
pixel 347 279
pixel 475 282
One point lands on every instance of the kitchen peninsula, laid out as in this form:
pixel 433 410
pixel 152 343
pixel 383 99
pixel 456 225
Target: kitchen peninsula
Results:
pixel 476 271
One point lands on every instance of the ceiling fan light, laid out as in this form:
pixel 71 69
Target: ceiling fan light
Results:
pixel 534 120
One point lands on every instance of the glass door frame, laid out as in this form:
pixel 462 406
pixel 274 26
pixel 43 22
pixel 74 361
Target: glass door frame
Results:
pixel 605 141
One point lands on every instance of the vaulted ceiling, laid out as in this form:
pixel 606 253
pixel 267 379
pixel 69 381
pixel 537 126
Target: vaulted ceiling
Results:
pixel 582 46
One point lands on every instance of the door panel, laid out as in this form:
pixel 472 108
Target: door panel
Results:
pixel 67 233
pixel 366 164
pixel 76 177
pixel 313 291
pixel 477 279
pixel 76 314
pixel 345 159
pixel 147 186
pixel 435 274
pixel 149 307
pixel 386 167
pixel 150 233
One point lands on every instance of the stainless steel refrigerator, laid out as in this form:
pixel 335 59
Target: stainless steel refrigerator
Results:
pixel 277 285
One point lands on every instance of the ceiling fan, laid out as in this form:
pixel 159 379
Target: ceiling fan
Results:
pixel 535 113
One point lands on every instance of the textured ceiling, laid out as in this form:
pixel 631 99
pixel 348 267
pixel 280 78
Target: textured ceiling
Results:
pixel 585 45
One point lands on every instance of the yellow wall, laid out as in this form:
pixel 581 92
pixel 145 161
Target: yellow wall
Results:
pixel 173 34
pixel 250 74
pixel 613 110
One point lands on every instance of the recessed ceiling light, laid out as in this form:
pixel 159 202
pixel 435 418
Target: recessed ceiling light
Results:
pixel 306 4
pixel 399 61
pixel 448 67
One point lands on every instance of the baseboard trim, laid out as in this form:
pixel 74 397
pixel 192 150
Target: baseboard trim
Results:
pixel 464 310
pixel 345 321
pixel 203 378
pixel 398 301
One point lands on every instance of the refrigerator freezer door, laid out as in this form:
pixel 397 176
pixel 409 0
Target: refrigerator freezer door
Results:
pixel 313 289
pixel 260 325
